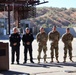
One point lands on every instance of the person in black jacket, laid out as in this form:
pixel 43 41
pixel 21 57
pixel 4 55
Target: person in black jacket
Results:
pixel 27 43
pixel 15 44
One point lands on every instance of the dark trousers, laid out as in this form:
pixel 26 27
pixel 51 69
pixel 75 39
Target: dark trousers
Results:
pixel 16 50
pixel 26 49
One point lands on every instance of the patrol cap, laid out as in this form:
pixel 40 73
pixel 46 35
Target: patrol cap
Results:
pixel 41 28
pixel 68 28
pixel 54 26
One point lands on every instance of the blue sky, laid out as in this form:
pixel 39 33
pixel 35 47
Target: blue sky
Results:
pixel 59 3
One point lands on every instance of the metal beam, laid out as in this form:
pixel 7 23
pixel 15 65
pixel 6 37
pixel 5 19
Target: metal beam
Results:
pixel 42 2
pixel 23 2
pixel 18 2
pixel 8 29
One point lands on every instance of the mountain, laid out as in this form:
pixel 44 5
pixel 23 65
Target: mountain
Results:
pixel 48 16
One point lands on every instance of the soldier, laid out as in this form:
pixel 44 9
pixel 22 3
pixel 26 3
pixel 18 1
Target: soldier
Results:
pixel 67 38
pixel 27 43
pixel 54 36
pixel 42 38
pixel 15 44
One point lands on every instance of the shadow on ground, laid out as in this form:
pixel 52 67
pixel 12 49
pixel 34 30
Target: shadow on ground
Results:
pixel 48 65
pixel 12 73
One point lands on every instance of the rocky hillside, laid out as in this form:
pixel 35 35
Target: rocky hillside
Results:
pixel 48 16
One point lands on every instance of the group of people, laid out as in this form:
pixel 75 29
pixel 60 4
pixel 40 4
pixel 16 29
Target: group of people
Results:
pixel 42 37
pixel 27 40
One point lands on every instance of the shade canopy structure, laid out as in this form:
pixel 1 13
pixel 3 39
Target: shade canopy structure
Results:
pixel 22 9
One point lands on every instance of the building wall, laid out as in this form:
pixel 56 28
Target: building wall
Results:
pixel 3 25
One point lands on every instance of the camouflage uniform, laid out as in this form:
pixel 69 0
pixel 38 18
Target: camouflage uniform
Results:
pixel 54 37
pixel 42 44
pixel 67 39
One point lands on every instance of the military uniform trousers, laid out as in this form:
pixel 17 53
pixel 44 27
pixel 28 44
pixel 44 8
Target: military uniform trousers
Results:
pixel 69 48
pixel 54 47
pixel 40 48
pixel 26 49
pixel 15 49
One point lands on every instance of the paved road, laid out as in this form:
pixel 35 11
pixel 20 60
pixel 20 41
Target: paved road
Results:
pixel 61 68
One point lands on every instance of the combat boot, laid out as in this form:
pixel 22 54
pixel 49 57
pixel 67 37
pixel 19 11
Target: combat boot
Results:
pixel 38 59
pixel 45 62
pixel 45 58
pixel 51 61
pixel 57 60
pixel 38 62
pixel 71 60
pixel 64 60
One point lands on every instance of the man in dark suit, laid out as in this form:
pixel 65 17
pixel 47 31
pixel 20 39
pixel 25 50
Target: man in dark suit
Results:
pixel 27 42
pixel 15 44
